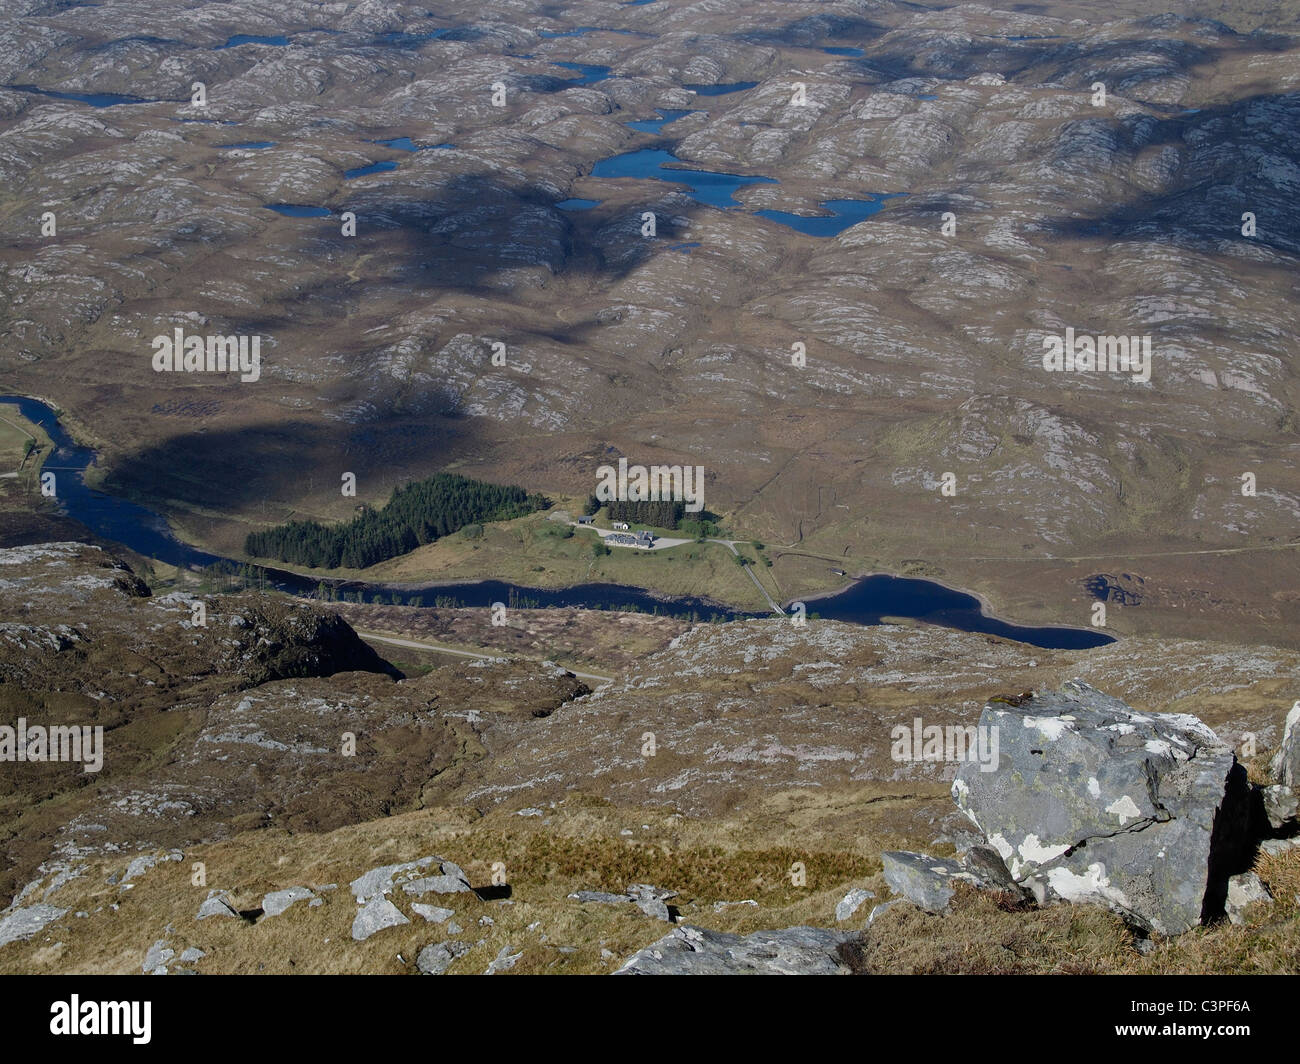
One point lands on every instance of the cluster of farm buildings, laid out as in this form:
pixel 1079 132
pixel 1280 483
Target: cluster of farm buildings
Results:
pixel 622 536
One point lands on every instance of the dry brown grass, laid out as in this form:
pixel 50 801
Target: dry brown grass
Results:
pixel 1281 875
pixel 988 934
pixel 580 846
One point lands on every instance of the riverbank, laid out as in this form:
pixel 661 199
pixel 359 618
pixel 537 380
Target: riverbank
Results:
pixel 983 602
pixel 866 602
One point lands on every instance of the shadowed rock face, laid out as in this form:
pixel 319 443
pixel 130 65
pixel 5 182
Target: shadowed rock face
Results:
pixel 78 621
pixel 216 729
pixel 1094 802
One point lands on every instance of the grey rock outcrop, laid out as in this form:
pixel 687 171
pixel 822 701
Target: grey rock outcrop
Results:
pixel 930 882
pixel 379 881
pixel 377 914
pixel 1285 765
pixel 601 897
pixel 851 903
pixel 1092 801
pixel 650 900
pixel 451 879
pixel 279 900
pixel 1244 891
pixel 432 913
pixel 215 904
pixel 923 880
pixel 437 958
pixel 23 923
pixel 882 908
pixel 1281 805
pixel 140 865
pixel 503 961
pixel 155 961
pixel 1277 847
pixel 695 951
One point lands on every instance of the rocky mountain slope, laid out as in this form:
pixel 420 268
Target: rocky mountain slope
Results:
pixel 741 779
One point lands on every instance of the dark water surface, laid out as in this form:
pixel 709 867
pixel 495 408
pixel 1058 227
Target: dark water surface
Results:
pixel 843 214
pixel 865 602
pixel 720 90
pixel 298 210
pixel 407 144
pixel 874 597
pixel 707 186
pixel 277 41
pixel 718 189
pixel 373 168
pixel 656 125
pixel 591 72
pixel 95 99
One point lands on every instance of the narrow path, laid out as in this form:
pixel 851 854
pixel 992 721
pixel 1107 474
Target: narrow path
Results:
pixel 731 545
pixel 18 427
pixel 467 653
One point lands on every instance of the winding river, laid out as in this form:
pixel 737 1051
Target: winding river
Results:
pixel 866 601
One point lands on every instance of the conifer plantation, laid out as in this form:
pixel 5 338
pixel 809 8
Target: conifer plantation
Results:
pixel 660 514
pixel 416 514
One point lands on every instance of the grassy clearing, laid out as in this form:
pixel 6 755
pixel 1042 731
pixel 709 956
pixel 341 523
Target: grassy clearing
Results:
pixel 17 436
pixel 539 552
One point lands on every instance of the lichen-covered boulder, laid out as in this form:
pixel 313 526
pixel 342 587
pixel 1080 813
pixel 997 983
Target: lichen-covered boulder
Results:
pixel 1092 801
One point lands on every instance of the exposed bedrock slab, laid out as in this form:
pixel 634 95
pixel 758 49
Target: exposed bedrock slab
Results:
pixel 377 914
pixel 1092 801
pixel 695 951
pixel 435 959
pixel 19 924
pixel 278 901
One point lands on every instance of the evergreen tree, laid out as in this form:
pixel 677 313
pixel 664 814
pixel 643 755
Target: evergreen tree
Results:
pixel 416 514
